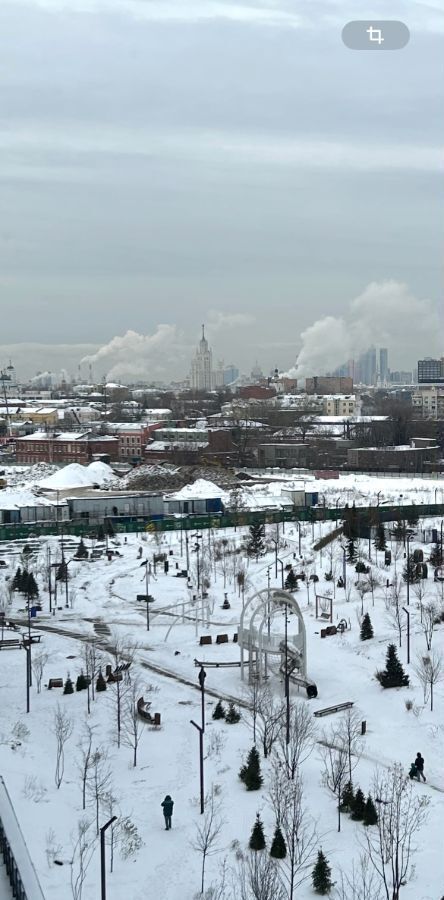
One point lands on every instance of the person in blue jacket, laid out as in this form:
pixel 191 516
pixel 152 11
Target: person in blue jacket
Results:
pixel 167 805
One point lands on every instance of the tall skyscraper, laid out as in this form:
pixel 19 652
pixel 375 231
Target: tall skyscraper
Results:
pixel 430 370
pixel 202 376
pixel 383 364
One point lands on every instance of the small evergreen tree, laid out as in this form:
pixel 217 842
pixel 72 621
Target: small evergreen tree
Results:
pixel 436 557
pixel 81 552
pixel 62 571
pixel 409 572
pixel 219 710
pixel 82 682
pixel 351 551
pixel 358 808
pixel 100 683
pixel 393 675
pixel 370 814
pixel 250 772
pixel 24 581
pixel 361 568
pixel 291 582
pixel 278 849
pixel 17 580
pixel 256 544
pixel 366 628
pixel 347 798
pixel 321 875
pixel 380 541
pixel 257 837
pixel 232 715
pixel 68 687
pixel 30 586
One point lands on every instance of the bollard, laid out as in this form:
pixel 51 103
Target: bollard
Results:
pixel 363 727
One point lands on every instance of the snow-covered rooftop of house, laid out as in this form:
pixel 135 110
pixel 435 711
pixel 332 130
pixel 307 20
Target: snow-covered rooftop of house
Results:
pixel 20 498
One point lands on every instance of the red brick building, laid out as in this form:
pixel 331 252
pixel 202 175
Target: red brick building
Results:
pixel 65 447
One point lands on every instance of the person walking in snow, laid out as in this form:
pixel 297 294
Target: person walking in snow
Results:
pixel 167 805
pixel 419 763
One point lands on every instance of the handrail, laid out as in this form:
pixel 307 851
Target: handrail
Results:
pixel 19 866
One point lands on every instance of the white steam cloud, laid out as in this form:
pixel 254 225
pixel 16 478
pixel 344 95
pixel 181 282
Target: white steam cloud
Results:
pixel 386 314
pixel 134 355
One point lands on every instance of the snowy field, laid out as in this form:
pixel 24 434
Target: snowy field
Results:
pixel 103 593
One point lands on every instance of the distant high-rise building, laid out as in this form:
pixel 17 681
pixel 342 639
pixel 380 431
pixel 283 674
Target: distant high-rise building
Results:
pixel 231 373
pixel 383 364
pixel 430 370
pixel 202 376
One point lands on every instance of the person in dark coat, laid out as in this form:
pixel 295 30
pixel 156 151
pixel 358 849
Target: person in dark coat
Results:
pixel 167 805
pixel 419 763
pixel 413 772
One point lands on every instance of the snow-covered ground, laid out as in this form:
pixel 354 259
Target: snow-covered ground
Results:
pixel 104 592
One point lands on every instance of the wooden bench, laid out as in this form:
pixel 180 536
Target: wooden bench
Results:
pixel 10 644
pixel 332 709
pixel 143 711
pixel 221 638
pixel 327 632
pixel 205 639
pixel 55 683
pixel 32 639
pixel 216 665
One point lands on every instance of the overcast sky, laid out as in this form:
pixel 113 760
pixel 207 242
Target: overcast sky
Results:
pixel 178 161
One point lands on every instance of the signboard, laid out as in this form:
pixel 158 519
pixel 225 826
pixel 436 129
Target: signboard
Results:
pixel 146 598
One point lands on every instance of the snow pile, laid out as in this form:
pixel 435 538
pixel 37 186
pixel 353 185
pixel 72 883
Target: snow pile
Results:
pixel 70 476
pixel 101 473
pixel 25 475
pixel 199 490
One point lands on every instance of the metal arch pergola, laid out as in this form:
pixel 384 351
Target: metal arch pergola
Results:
pixel 258 649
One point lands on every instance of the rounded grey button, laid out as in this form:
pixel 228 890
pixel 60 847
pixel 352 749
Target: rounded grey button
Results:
pixel 385 34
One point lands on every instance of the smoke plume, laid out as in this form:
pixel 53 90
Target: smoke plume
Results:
pixel 386 314
pixel 134 355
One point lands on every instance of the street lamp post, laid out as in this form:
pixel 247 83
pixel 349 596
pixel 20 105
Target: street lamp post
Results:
pixel 282 572
pixel 408 569
pixel 201 765
pixel 102 857
pixel 408 633
pixel 299 530
pixel 287 681
pixel 344 568
pixel 201 678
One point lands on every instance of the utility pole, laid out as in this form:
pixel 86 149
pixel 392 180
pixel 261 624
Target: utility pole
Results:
pixel 287 680
pixel 102 857
pixel 201 765
pixel 408 633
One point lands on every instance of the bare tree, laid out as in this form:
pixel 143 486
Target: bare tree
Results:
pixel 132 725
pixel 270 719
pixel 86 754
pixel 253 695
pixel 364 882
pixel 39 661
pixel 62 727
pixel 373 581
pixel 92 658
pixel 363 588
pixel 335 759
pixel 428 620
pixel 98 782
pixel 257 877
pixel 121 651
pixel 82 854
pixel 394 604
pixel 207 832
pixel 349 735
pixel 429 670
pixel 420 590
pixel 302 734
pixel 299 831
pixel 390 843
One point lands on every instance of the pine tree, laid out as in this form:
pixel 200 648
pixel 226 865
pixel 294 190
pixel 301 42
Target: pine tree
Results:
pixel 219 710
pixel 82 682
pixel 62 571
pixel 17 580
pixel 250 772
pixel 81 552
pixel 366 628
pixel 68 687
pixel 100 683
pixel 436 557
pixel 370 814
pixel 393 675
pixel 257 837
pixel 256 544
pixel 358 808
pixel 347 798
pixel 232 715
pixel 321 875
pixel 24 581
pixel 30 586
pixel 278 847
pixel 351 551
pixel 409 572
pixel 291 582
pixel 380 541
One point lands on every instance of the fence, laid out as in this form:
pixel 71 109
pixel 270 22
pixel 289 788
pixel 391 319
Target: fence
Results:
pixel 21 873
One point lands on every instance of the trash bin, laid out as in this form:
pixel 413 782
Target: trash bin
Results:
pixel 33 612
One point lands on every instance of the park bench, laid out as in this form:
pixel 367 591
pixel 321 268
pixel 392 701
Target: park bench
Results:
pixel 144 713
pixel 216 665
pixel 221 638
pixel 55 683
pixel 32 639
pixel 205 639
pixel 332 709
pixel 327 632
pixel 10 644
